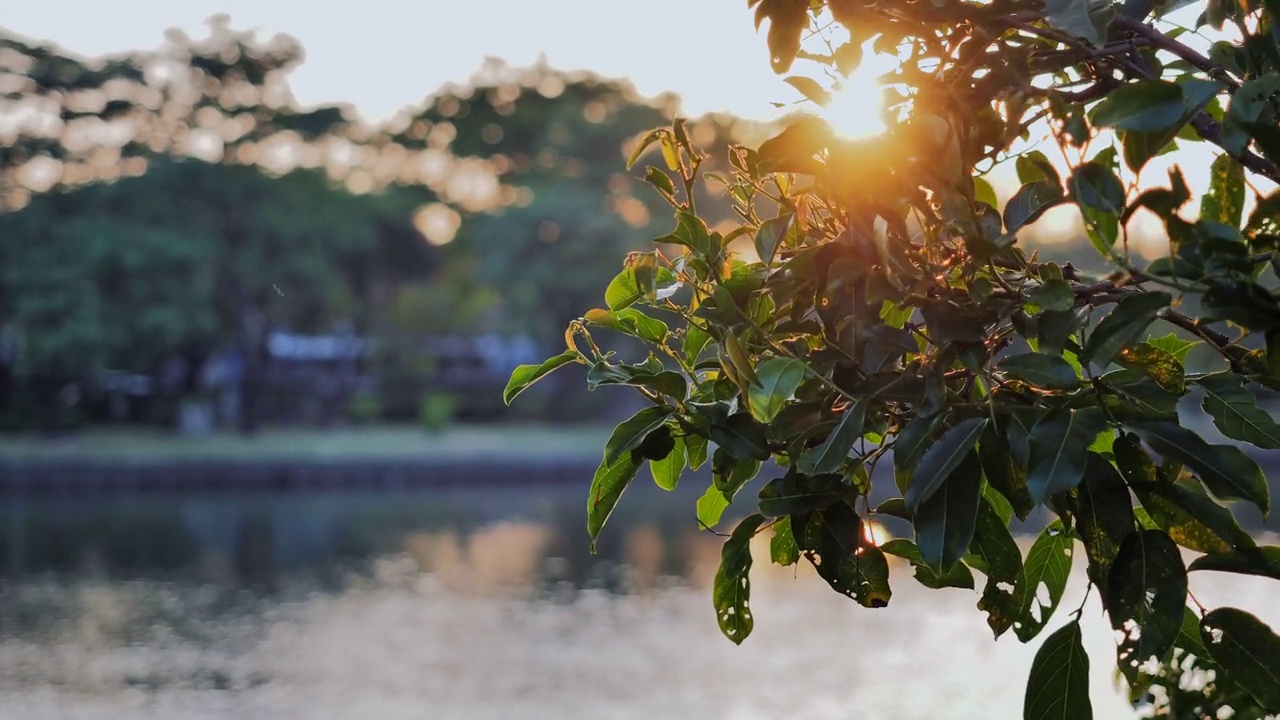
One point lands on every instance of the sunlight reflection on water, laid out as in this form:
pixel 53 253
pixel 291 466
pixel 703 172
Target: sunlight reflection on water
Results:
pixel 479 626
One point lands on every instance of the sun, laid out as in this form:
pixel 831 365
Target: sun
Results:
pixel 856 108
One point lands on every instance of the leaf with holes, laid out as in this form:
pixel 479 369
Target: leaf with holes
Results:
pixel 731 592
pixel 1248 650
pixel 1048 563
pixel 1145 594
pixel 832 540
pixel 782 546
pixel 1104 516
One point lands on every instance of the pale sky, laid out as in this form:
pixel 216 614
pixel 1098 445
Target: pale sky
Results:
pixel 382 55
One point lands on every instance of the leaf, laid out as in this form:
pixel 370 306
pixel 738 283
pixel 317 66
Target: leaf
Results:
pixel 810 89
pixel 941 459
pixel 695 446
pixel 959 576
pixel 1003 473
pixel 623 291
pixel 629 321
pixel 801 494
pixel 827 457
pixel 1033 165
pixel 1104 516
pixel 793 149
pixel 1248 651
pixel 833 541
pixel 1048 563
pixel 983 192
pixel 993 543
pixel 1146 592
pixel 1059 449
pixel 1095 186
pixel 1236 413
pixel 1053 294
pixel 731 592
pixel 778 379
pixel 1224 203
pixel 628 435
pixel 1155 363
pixel 525 375
pixel 666 472
pixel 1149 106
pixel 1192 518
pixel 711 507
pixel 782 546
pixel 643 144
pixel 691 232
pixel 1072 17
pixel 944 522
pixel 1050 372
pixel 742 437
pixel 909 445
pixel 1030 202
pixel 659 180
pixel 1126 322
pixel 1058 688
pixel 1263 561
pixel 1174 345
pixel 610 480
pixel 1226 471
pixel 770 235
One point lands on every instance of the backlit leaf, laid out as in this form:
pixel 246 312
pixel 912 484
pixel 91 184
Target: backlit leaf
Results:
pixel 1144 597
pixel 828 456
pixel 1225 470
pixel 731 591
pixel 1048 563
pixel 1248 650
pixel 1125 324
pixel 525 375
pixel 1235 411
pixel 1058 688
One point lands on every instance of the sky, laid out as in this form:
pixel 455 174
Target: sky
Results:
pixel 382 55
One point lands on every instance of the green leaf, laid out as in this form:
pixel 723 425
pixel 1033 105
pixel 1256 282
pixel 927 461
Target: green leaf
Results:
pixel 793 149
pixel 731 592
pixel 782 546
pixel 1058 688
pixel 1003 473
pixel 1095 186
pixel 1174 345
pixel 1192 518
pixel 742 437
pixel 1030 202
pixel 666 472
pixel 690 232
pixel 1226 471
pixel 944 522
pixel 827 457
pixel 984 193
pixel 525 375
pixel 610 480
pixel 1050 372
pixel 1224 203
pixel 1236 413
pixel 1033 166
pixel 1149 106
pixel 1155 363
pixel 941 459
pixel 959 576
pixel 659 180
pixel 695 341
pixel 801 494
pixel 1054 294
pixel 1145 594
pixel 1059 450
pixel 624 290
pixel 1126 322
pixel 770 235
pixel 1263 561
pixel 1048 563
pixel 695 446
pixel 629 321
pixel 643 144
pixel 778 379
pixel 711 507
pixel 628 435
pixel 909 445
pixel 1104 516
pixel 1247 650
pixel 993 543
pixel 833 541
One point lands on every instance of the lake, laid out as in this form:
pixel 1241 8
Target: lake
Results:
pixel 474 603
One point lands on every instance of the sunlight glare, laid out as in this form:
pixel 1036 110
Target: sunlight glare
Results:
pixel 856 109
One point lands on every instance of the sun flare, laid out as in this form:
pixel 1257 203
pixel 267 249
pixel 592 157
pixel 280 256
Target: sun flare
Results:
pixel 856 107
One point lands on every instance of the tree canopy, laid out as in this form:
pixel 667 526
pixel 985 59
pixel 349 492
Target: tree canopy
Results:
pixel 888 334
